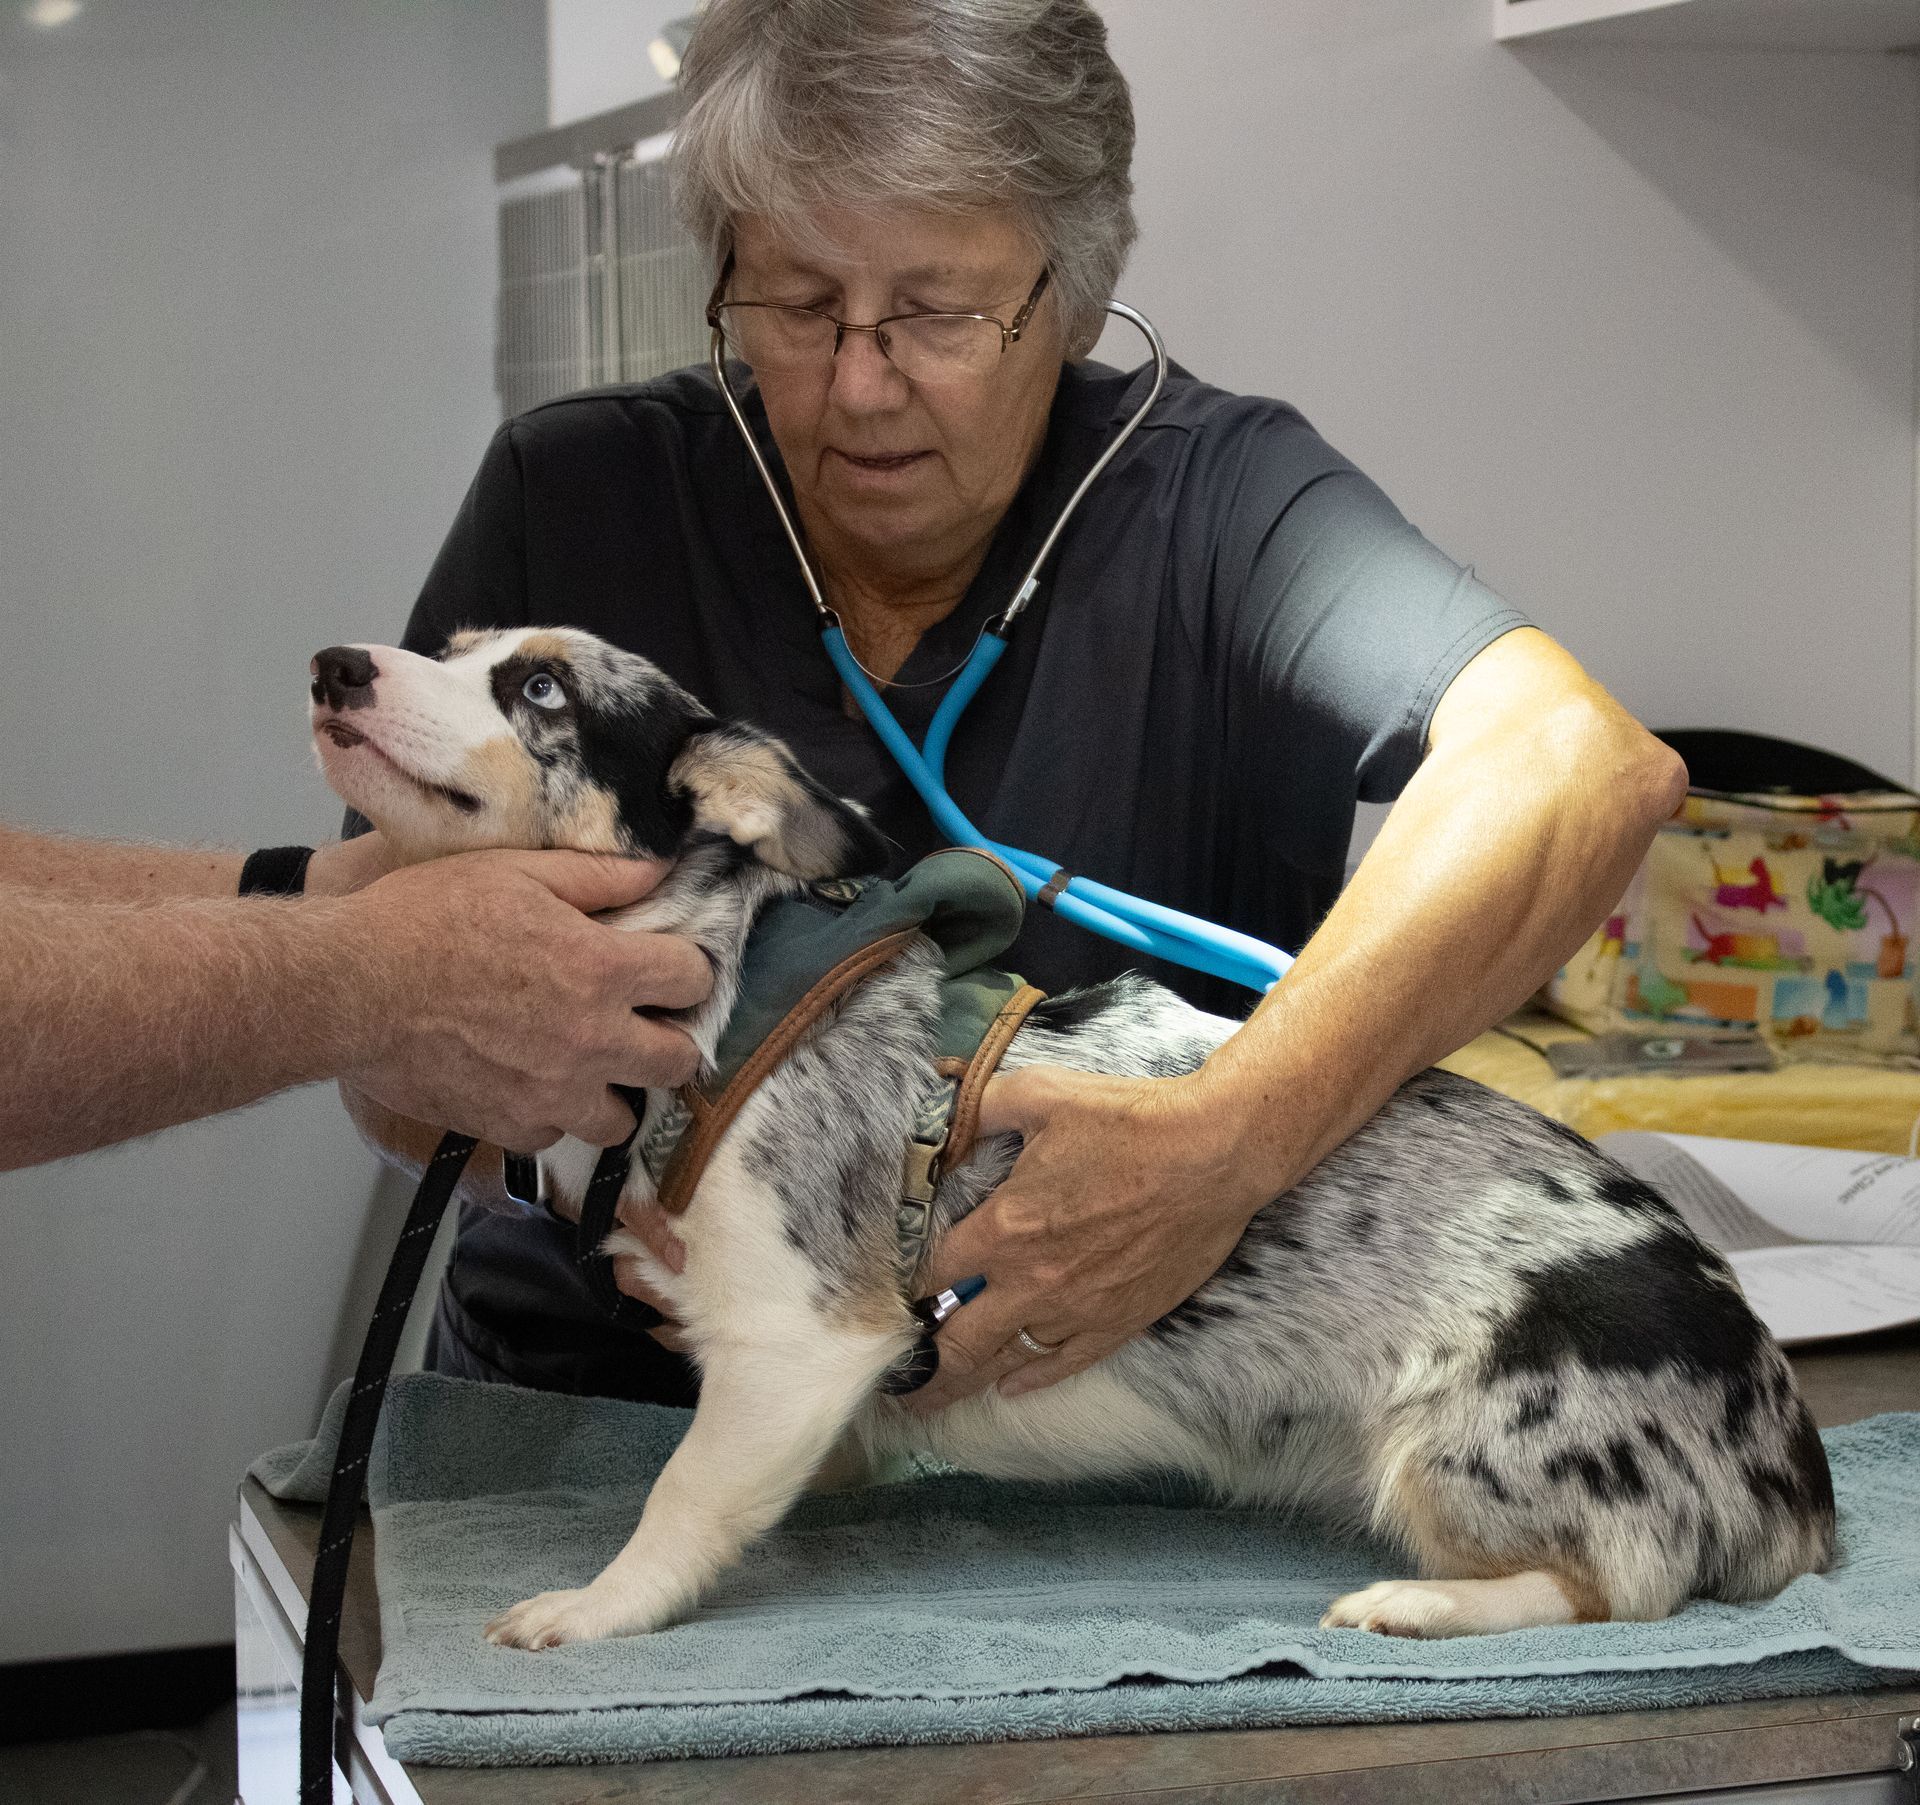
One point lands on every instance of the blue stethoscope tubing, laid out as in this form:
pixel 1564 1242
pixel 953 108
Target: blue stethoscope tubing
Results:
pixel 1131 921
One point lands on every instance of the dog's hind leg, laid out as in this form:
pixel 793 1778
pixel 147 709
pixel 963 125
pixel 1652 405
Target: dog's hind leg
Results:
pixel 1461 1607
pixel 1490 1559
pixel 770 1412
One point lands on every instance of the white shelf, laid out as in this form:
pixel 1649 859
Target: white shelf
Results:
pixel 1743 24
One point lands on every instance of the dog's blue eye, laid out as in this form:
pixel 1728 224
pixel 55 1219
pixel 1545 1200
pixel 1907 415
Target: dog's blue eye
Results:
pixel 543 692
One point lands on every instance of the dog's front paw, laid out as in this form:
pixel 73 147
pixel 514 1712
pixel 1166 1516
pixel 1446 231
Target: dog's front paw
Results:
pixel 551 1618
pixel 1400 1607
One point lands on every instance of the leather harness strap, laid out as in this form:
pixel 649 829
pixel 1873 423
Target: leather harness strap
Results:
pixel 713 1117
pixel 981 1067
pixel 711 1120
pixel 945 1125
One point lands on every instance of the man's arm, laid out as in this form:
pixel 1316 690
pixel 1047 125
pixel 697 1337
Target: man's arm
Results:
pixel 474 993
pixel 122 871
pixel 125 1018
pixel 113 871
pixel 1537 798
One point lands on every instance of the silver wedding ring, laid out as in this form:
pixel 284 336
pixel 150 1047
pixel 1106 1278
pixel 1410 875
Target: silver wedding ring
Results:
pixel 1038 1349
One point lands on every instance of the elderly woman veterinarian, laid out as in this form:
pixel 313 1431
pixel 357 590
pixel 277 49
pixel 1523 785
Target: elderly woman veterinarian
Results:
pixel 1239 638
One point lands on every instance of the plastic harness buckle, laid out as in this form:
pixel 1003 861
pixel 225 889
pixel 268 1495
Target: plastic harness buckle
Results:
pixel 920 1169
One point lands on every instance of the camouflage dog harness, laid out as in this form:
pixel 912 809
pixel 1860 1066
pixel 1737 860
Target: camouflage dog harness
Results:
pixel 805 953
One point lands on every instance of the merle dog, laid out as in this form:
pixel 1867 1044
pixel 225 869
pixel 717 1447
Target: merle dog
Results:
pixel 1466 1330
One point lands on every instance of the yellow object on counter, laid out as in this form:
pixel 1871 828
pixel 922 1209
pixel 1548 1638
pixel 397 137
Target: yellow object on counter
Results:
pixel 1872 1108
pixel 1791 917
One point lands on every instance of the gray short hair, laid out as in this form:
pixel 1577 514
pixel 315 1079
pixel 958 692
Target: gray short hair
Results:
pixel 947 105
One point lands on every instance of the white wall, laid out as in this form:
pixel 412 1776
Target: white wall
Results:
pixel 1631 330
pixel 246 318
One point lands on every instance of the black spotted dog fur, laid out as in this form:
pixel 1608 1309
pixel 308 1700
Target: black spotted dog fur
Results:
pixel 1466 1330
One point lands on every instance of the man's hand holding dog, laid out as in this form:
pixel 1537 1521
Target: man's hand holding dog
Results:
pixel 504 1011
pixel 472 993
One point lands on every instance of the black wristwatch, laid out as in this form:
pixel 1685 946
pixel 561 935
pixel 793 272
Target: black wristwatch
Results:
pixel 275 871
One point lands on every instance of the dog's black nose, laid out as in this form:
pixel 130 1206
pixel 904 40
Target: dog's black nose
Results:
pixel 343 677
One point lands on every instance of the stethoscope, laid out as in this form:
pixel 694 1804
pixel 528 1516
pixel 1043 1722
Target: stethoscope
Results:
pixel 1133 922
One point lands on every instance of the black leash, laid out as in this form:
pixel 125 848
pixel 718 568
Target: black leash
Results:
pixel 327 1598
pixel 328 1595
pixel 597 1223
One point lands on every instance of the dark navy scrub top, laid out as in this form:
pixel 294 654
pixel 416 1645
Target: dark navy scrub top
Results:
pixel 1238 637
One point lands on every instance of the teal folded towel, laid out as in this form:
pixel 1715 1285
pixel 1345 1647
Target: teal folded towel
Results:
pixel 954 1609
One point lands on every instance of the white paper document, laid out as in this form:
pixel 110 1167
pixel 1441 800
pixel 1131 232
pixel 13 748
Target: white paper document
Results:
pixel 1825 1242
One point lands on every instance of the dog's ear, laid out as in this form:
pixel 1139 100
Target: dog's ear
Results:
pixel 745 784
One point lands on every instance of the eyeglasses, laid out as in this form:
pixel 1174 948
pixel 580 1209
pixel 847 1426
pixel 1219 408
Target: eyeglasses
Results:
pixel 924 347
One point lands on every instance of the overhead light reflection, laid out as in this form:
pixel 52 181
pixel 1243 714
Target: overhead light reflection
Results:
pixel 666 50
pixel 50 15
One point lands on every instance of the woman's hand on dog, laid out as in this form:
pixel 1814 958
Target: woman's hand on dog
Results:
pixel 485 999
pixel 1123 1203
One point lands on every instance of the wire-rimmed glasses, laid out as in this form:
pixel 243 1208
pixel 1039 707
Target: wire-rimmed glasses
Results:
pixel 924 347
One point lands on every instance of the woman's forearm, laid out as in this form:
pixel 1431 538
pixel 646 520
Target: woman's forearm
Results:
pixel 1494 865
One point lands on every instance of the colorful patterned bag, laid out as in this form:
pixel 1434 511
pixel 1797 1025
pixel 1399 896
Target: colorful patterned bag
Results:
pixel 1788 915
